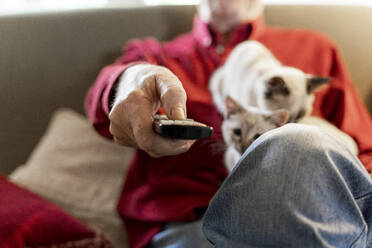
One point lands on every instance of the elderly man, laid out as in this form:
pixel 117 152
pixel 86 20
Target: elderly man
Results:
pixel 294 187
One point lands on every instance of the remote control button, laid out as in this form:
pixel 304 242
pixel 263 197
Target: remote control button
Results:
pixel 185 122
pixel 161 117
pixel 166 122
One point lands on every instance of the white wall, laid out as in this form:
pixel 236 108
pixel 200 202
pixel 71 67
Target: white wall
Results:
pixel 19 6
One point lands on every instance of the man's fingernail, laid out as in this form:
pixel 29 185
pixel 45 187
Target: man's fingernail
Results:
pixel 179 113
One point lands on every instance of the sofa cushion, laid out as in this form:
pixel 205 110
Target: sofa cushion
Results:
pixel 80 171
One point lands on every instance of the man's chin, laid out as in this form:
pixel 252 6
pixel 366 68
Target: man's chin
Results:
pixel 224 25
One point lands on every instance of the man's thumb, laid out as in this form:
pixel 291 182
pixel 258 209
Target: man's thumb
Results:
pixel 172 96
pixel 177 113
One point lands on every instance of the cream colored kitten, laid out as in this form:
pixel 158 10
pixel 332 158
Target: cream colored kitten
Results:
pixel 242 126
pixel 254 77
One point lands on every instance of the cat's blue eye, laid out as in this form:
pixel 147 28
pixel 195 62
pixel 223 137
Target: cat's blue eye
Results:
pixel 237 131
pixel 256 136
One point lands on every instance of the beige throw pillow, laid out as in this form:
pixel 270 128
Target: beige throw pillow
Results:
pixel 82 172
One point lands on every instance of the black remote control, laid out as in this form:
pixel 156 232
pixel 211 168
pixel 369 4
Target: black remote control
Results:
pixel 181 129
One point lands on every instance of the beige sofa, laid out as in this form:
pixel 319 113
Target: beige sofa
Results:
pixel 48 60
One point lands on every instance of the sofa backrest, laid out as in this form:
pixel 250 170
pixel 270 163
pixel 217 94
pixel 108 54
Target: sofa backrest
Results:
pixel 49 60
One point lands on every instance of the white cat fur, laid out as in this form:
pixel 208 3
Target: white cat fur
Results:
pixel 244 74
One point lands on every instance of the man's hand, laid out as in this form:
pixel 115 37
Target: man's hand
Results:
pixel 141 91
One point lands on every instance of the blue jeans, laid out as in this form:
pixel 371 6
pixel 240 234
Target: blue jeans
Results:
pixel 294 187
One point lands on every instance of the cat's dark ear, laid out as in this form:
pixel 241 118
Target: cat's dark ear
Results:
pixel 279 117
pixel 232 106
pixel 314 82
pixel 275 86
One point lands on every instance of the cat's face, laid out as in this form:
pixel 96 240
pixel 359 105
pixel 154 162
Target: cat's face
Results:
pixel 291 89
pixel 242 126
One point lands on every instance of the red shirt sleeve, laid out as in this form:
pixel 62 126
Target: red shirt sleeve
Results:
pixel 97 101
pixel 342 105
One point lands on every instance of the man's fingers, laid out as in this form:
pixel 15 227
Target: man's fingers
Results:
pixel 144 88
pixel 121 136
pixel 132 112
pixel 173 147
pixel 154 144
pixel 157 146
pixel 172 95
pixel 137 131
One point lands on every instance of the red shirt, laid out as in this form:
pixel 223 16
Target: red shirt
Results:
pixel 159 190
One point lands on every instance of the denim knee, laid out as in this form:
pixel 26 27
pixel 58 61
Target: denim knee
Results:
pixel 298 137
pixel 289 189
pixel 292 143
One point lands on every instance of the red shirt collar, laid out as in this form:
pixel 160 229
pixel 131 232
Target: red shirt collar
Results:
pixel 206 36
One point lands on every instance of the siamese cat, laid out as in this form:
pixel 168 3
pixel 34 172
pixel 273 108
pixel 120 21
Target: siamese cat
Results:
pixel 242 126
pixel 254 77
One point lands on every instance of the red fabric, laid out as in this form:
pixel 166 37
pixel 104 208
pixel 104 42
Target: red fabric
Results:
pixel 169 189
pixel 27 220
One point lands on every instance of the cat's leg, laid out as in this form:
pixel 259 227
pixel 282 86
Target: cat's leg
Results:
pixel 294 187
pixel 232 156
